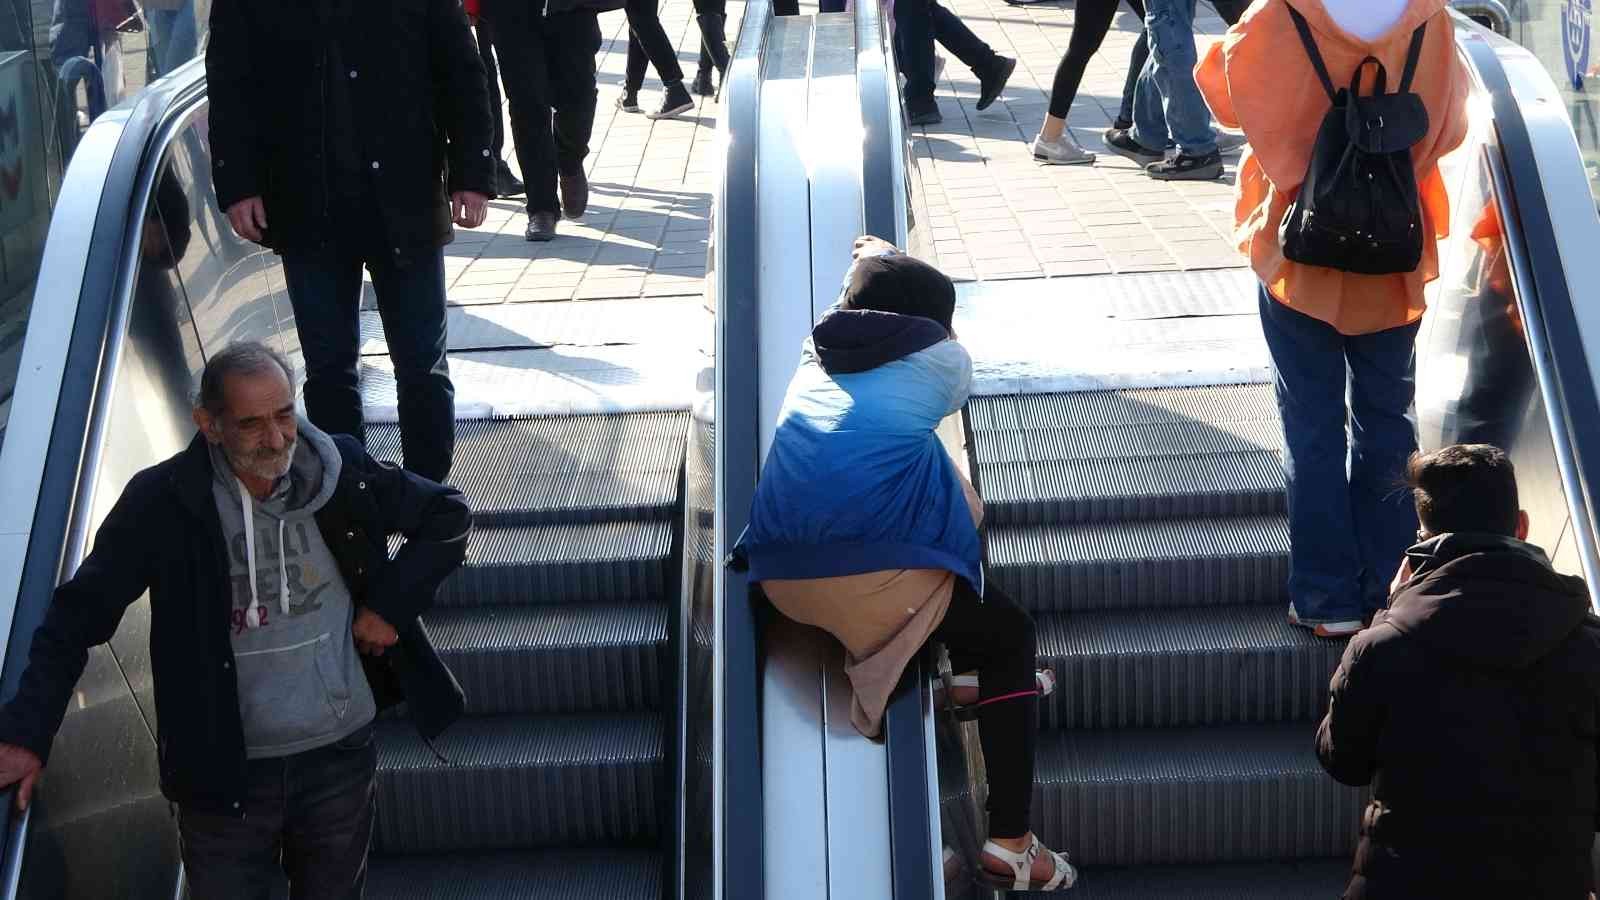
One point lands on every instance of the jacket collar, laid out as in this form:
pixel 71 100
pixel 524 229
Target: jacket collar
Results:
pixel 191 477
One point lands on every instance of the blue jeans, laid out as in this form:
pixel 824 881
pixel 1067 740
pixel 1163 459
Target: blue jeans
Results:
pixel 174 36
pixel 1168 108
pixel 308 816
pixel 325 291
pixel 1347 431
pixel 1229 10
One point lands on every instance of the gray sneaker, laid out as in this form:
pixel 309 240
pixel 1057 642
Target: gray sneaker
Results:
pixel 1064 151
pixel 1228 142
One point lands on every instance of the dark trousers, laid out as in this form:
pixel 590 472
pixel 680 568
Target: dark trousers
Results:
pixel 995 637
pixel 1229 10
pixel 713 17
pixel 491 73
pixel 648 44
pixel 325 290
pixel 308 816
pixel 1350 516
pixel 1091 21
pixel 548 66
pixel 918 23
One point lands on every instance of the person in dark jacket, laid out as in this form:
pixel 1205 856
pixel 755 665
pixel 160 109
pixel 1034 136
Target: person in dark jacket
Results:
pixel 1471 704
pixel 280 628
pixel 351 133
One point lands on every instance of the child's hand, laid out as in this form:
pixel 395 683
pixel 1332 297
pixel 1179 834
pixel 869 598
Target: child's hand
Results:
pixel 867 245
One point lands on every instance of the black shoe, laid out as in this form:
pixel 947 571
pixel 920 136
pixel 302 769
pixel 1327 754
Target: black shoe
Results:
pixel 541 227
pixel 1120 141
pixel 924 115
pixel 505 183
pixel 629 102
pixel 676 102
pixel 1187 167
pixel 1122 125
pixel 702 86
pixel 990 85
pixel 574 195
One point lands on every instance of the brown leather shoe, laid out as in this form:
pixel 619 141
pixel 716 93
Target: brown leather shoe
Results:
pixel 574 195
pixel 541 227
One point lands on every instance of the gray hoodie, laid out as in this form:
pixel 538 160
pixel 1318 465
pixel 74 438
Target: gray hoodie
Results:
pixel 301 685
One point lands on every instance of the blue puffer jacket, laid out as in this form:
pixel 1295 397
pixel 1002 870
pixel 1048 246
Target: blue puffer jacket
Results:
pixel 856 480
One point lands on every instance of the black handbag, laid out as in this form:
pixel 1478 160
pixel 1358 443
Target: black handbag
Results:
pixel 1358 209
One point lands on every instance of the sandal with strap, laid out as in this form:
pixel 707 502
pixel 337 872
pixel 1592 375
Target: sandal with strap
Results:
pixel 1044 681
pixel 1020 878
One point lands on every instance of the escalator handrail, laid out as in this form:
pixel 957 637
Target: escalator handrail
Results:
pixel 99 288
pixel 1545 301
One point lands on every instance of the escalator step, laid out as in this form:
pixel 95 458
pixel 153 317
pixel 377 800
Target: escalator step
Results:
pixel 591 874
pixel 520 781
pixel 563 468
pixel 1318 878
pixel 1050 443
pixel 1190 666
pixel 1058 491
pixel 1122 565
pixel 1195 795
pixel 525 659
pixel 1223 403
pixel 596 562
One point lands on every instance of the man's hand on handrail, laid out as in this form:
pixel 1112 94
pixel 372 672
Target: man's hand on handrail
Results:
pixel 19 766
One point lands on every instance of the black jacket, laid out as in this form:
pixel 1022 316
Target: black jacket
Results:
pixel 1471 705
pixel 419 97
pixel 164 535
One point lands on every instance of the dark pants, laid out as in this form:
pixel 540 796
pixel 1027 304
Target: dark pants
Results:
pixel 325 290
pixel 648 43
pixel 1091 21
pixel 1229 10
pixel 710 16
pixel 918 23
pixel 713 17
pixel 308 816
pixel 491 73
pixel 548 66
pixel 1347 432
pixel 995 637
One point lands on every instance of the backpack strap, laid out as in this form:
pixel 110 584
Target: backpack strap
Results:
pixel 1302 26
pixel 1412 55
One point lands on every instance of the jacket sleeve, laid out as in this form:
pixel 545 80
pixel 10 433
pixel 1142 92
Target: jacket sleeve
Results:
pixel 84 613
pixel 463 98
pixel 1347 740
pixel 435 521
pixel 1211 77
pixel 237 160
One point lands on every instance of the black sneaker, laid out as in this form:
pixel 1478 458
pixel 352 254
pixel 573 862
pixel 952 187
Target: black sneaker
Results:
pixel 1187 167
pixel 924 115
pixel 1120 141
pixel 505 183
pixel 702 86
pixel 629 102
pixel 676 102
pixel 990 85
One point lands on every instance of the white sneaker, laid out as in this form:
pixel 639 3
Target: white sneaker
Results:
pixel 1326 628
pixel 1228 142
pixel 1061 152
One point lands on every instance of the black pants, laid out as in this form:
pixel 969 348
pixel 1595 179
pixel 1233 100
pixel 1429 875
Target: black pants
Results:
pixel 713 34
pixel 648 42
pixel 308 816
pixel 918 23
pixel 1090 23
pixel 548 66
pixel 1229 10
pixel 325 290
pixel 995 637
pixel 491 73
pixel 709 14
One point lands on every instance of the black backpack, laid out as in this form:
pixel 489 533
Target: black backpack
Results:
pixel 1358 209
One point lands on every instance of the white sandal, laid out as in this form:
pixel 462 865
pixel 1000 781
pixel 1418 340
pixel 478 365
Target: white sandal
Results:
pixel 1064 876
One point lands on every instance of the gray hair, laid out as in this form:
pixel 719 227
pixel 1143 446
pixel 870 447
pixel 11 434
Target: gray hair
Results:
pixel 238 358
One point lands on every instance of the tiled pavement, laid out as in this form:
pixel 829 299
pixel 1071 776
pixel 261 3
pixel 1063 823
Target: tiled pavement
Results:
pixel 646 229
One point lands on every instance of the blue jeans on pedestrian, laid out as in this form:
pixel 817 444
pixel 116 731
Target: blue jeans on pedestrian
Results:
pixel 325 290
pixel 1229 10
pixel 174 37
pixel 1347 432
pixel 307 816
pixel 1168 108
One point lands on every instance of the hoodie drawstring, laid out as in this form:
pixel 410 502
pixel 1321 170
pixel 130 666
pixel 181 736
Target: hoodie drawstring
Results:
pixel 255 614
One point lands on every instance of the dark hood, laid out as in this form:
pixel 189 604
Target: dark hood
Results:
pixel 858 340
pixel 1487 599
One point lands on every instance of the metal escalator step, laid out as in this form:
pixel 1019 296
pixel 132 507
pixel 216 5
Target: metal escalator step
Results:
pixel 1301 880
pixel 591 562
pixel 563 468
pixel 555 659
pixel 589 874
pixel 1149 487
pixel 520 781
pixel 1224 403
pixel 1193 795
pixel 1122 565
pixel 1176 667
pixel 1052 443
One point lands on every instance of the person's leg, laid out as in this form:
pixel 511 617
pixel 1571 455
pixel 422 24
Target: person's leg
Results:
pixel 712 16
pixel 1170 25
pixel 325 291
pixel 1136 64
pixel 830 6
pixel 491 74
pixel 519 39
pixel 411 302
pixel 633 71
pixel 1091 21
pixel 572 40
pixel 950 31
pixel 1308 359
pixel 1149 130
pixel 228 858
pixel 1382 436
pixel 644 23
pixel 914 45
pixel 327 828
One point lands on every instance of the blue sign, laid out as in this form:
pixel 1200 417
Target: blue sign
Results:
pixel 1575 16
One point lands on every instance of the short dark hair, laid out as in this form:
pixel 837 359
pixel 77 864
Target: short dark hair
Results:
pixel 238 358
pixel 1465 488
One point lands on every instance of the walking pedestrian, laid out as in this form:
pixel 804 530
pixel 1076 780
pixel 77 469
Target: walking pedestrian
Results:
pixel 506 183
pixel 332 150
pixel 280 628
pixel 918 23
pixel 712 17
pixel 648 45
pixel 1168 109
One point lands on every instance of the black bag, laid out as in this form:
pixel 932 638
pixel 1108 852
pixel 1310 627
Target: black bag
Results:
pixel 1358 209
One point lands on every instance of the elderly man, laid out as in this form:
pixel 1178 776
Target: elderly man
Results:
pixel 351 133
pixel 280 628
